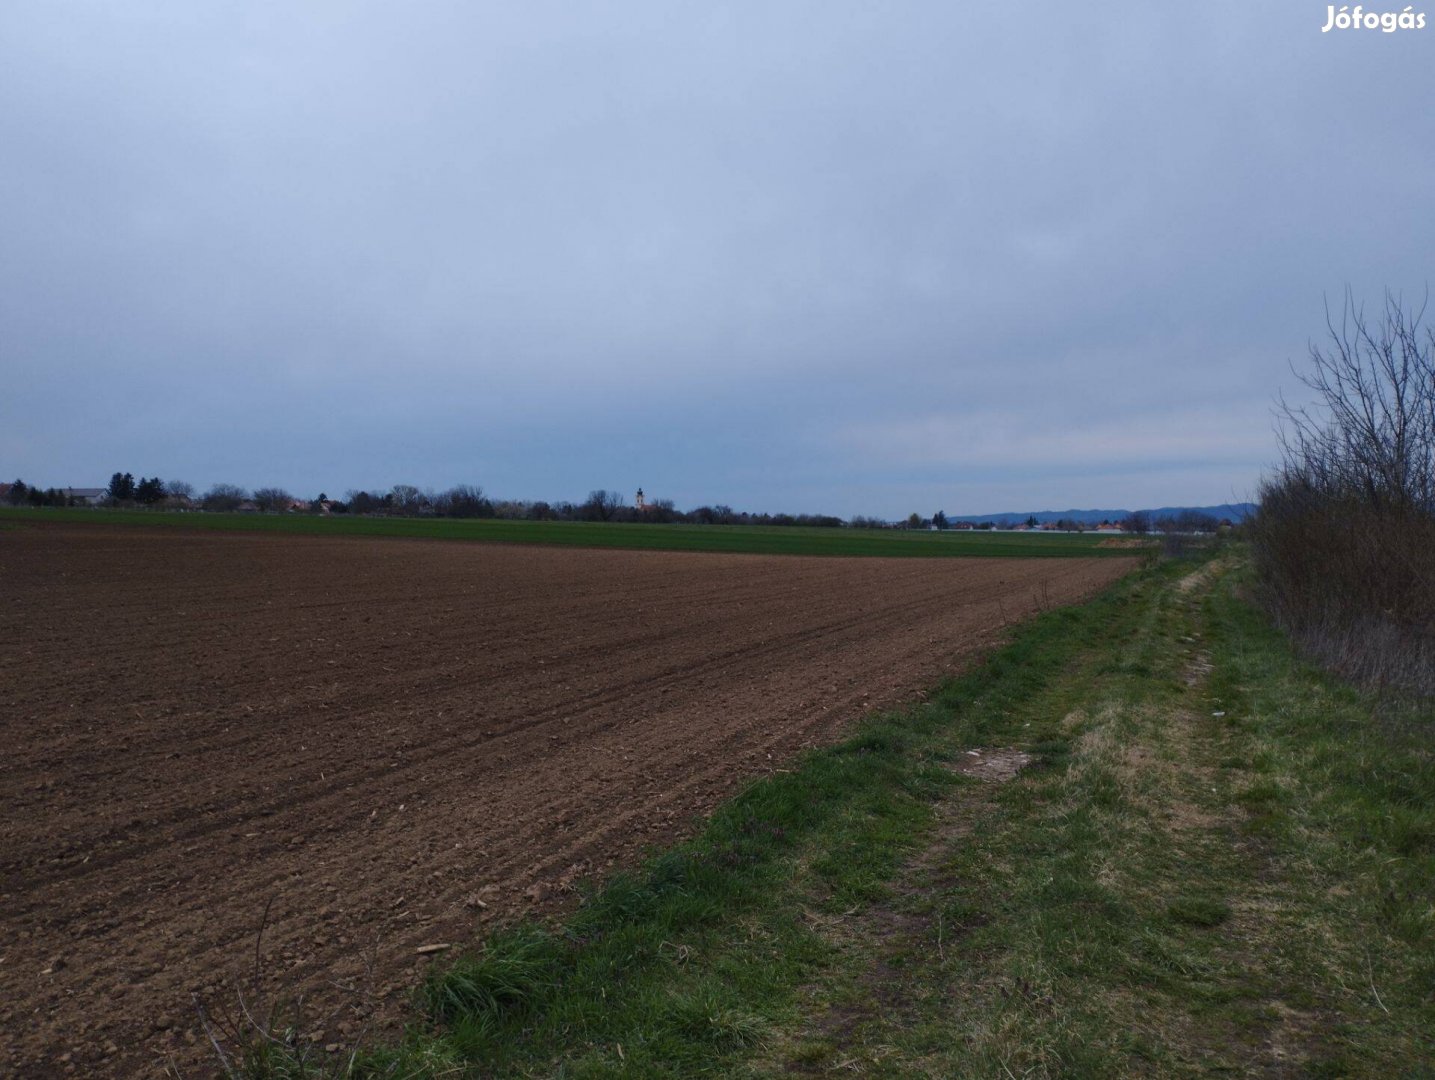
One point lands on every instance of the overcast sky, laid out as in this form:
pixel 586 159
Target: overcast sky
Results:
pixel 843 257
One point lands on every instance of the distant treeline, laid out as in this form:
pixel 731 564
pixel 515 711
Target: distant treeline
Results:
pixel 470 501
pixel 23 494
pixel 402 500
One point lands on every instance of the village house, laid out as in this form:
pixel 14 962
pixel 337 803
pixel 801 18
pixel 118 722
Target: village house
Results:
pixel 85 496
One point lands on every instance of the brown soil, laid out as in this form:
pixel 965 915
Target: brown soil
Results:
pixel 391 742
pixel 993 766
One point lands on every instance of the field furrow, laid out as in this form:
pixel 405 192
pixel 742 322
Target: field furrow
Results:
pixel 370 736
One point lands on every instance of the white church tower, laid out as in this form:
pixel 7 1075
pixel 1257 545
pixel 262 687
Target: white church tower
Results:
pixel 639 500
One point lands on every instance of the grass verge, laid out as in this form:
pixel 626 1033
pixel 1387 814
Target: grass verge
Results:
pixel 1217 861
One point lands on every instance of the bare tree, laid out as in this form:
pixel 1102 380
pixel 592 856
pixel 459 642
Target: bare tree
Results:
pixel 364 502
pixel 464 501
pixel 1139 522
pixel 408 499
pixel 602 505
pixel 224 497
pixel 1370 434
pixel 662 511
pixel 272 499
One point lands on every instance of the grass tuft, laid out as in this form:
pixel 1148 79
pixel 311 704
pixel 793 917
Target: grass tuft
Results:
pixel 1198 911
pixel 515 970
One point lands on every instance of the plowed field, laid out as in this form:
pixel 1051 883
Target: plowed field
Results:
pixel 388 742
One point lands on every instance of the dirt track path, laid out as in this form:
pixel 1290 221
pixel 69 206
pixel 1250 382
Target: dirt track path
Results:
pixel 373 736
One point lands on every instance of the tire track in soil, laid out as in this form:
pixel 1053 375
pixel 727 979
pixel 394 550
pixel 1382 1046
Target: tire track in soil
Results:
pixel 372 732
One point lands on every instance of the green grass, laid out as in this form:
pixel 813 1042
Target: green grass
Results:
pixel 748 539
pixel 1219 862
pixel 1179 893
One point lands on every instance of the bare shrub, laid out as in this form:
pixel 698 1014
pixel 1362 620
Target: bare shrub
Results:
pixel 1344 536
pixel 274 1036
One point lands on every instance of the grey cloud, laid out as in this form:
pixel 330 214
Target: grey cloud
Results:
pixel 752 253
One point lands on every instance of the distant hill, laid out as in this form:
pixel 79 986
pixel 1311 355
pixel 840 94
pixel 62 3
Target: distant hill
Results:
pixel 1234 511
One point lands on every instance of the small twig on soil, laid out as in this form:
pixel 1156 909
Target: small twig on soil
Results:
pixel 258 941
pixel 209 1034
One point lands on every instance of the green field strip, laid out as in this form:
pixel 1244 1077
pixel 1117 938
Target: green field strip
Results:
pixel 731 539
